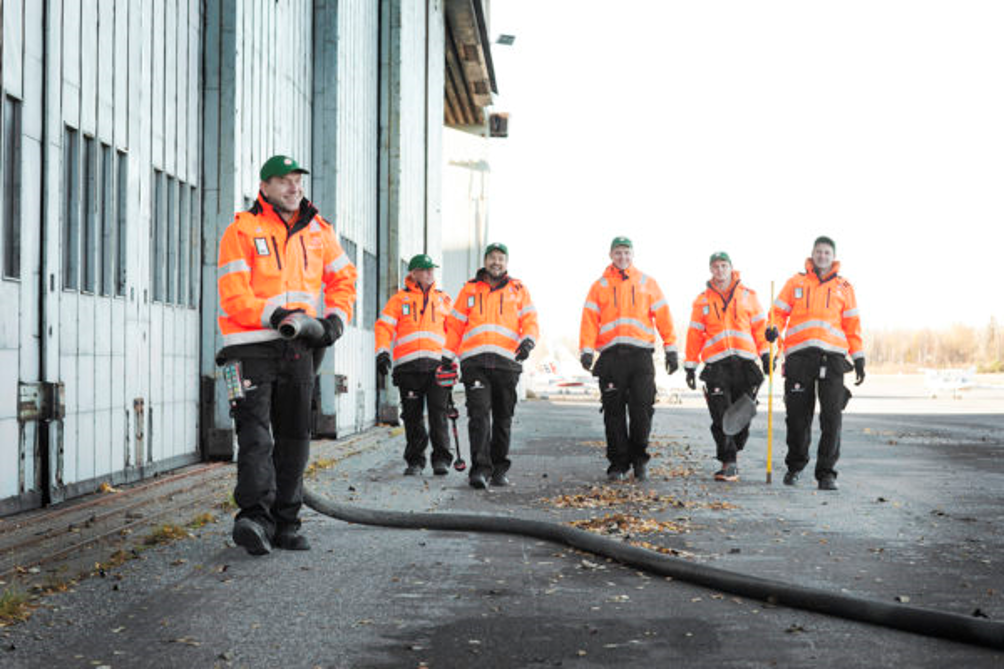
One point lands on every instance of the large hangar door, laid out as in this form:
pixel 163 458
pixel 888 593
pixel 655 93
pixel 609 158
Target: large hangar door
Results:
pixel 24 401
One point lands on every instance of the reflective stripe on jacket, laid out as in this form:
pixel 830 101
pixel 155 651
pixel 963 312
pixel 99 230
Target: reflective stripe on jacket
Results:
pixel 491 320
pixel 818 313
pixel 412 325
pixel 263 265
pixel 625 308
pixel 723 325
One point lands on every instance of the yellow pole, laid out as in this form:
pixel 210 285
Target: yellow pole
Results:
pixel 770 392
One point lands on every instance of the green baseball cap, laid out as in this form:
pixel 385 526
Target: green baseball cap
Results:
pixel 621 241
pixel 720 255
pixel 497 247
pixel 421 261
pixel 280 166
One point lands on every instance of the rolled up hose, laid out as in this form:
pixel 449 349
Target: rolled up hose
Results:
pixel 299 325
pixel 967 629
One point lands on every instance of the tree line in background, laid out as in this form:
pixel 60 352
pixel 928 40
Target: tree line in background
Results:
pixel 901 350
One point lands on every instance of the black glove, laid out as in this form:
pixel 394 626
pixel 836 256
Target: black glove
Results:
pixel 523 350
pixel 692 378
pixel 587 361
pixel 672 362
pixel 333 329
pixel 765 363
pixel 859 371
pixel 280 314
pixel 447 361
pixel 383 363
pixel 771 333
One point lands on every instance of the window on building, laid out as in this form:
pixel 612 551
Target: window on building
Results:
pixel 371 299
pixel 121 222
pixel 71 209
pixel 349 247
pixel 90 250
pixel 171 240
pixel 184 240
pixel 11 167
pixel 157 238
pixel 194 247
pixel 109 227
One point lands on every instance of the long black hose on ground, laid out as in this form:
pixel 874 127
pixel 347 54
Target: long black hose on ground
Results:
pixel 952 626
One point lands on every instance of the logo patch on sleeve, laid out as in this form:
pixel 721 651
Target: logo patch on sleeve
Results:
pixel 261 246
pixel 706 310
pixel 405 309
pixel 798 293
pixel 470 301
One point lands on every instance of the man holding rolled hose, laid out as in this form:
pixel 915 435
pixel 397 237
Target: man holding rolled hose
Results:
pixel 274 260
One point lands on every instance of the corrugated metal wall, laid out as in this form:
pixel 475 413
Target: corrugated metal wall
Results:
pixel 130 134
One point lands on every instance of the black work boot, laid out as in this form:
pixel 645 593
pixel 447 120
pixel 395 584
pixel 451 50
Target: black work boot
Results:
pixel 640 471
pixel 478 481
pixel 828 483
pixel 251 536
pixel 791 477
pixel 289 539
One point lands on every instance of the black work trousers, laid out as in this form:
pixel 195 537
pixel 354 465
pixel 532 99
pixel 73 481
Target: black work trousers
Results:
pixel 419 391
pixel 491 402
pixel 627 389
pixel 273 432
pixel 806 375
pixel 726 381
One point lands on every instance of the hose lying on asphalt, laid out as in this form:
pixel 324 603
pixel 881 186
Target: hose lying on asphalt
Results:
pixel 967 629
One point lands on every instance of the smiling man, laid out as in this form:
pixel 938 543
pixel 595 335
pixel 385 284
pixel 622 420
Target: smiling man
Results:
pixel 817 312
pixel 622 313
pixel 492 328
pixel 274 261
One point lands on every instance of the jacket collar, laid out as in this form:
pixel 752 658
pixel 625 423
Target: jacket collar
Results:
pixel 412 285
pixel 482 276
pixel 304 216
pixel 810 269
pixel 630 273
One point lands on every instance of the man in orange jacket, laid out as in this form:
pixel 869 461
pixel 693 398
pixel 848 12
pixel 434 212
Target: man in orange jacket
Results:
pixel 726 332
pixel 412 329
pixel 273 261
pixel 492 329
pixel 622 312
pixel 818 313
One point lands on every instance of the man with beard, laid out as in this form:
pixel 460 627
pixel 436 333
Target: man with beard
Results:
pixel 492 329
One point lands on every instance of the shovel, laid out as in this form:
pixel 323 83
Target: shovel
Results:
pixel 738 415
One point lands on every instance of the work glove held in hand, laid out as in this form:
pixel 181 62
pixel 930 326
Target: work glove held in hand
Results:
pixel 859 371
pixel 672 362
pixel 771 333
pixel 333 329
pixel 765 363
pixel 383 363
pixel 523 351
pixel 280 314
pixel 586 359
pixel 692 379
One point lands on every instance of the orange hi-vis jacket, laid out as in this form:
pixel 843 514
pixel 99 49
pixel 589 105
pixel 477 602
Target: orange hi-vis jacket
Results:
pixel 413 325
pixel 723 325
pixel 818 313
pixel 621 308
pixel 491 320
pixel 263 265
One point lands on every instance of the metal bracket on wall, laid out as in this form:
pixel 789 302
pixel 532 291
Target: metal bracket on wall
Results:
pixel 42 401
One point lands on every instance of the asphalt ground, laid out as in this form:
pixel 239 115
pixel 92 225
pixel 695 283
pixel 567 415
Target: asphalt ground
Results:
pixel 918 519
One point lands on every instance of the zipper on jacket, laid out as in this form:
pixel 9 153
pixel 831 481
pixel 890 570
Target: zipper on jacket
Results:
pixel 717 313
pixel 481 304
pixel 414 311
pixel 632 296
pixel 501 300
pixel 304 247
pixel 615 296
pixel 806 297
pixel 278 257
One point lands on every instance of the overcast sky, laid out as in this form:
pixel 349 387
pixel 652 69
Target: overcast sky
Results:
pixel 753 127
